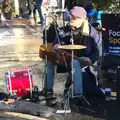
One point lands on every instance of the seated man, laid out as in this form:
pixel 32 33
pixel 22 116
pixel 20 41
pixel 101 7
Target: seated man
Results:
pixel 83 34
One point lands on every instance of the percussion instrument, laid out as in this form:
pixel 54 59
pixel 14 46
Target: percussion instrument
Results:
pixel 19 82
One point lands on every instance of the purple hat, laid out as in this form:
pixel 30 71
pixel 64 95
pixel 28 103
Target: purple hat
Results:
pixel 78 12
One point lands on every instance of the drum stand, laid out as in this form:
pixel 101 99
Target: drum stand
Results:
pixel 70 93
pixel 46 59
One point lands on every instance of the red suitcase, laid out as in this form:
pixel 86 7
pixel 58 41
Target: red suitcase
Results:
pixel 20 82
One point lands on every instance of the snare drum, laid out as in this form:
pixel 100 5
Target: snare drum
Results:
pixel 19 82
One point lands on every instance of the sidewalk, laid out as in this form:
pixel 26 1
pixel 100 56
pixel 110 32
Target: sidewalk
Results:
pixel 22 22
pixel 18 22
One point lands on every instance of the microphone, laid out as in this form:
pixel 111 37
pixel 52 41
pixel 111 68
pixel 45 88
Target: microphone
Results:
pixel 101 29
pixel 98 27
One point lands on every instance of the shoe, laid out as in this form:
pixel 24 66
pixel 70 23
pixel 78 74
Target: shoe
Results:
pixel 41 22
pixel 51 102
pixel 48 94
pixel 49 97
pixel 66 92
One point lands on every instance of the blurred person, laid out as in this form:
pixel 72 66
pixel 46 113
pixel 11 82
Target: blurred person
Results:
pixel 39 8
pixel 100 30
pixel 30 8
pixel 34 11
pixel 99 13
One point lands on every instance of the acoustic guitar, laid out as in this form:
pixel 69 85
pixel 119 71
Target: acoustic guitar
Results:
pixel 43 51
pixel 58 55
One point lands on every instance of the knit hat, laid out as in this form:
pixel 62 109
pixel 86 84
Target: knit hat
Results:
pixel 78 12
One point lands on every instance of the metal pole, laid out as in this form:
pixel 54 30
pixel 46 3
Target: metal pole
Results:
pixel 72 66
pixel 46 58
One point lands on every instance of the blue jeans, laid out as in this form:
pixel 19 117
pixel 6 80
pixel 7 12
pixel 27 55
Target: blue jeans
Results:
pixel 49 78
pixel 38 5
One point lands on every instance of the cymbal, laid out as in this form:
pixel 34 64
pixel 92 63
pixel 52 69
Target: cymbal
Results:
pixel 71 47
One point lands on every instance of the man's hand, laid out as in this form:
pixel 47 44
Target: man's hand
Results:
pixel 54 19
pixel 87 61
pixel 55 48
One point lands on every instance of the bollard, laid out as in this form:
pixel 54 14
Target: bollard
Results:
pixel 118 84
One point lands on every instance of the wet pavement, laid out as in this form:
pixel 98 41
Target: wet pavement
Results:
pixel 18 45
pixel 19 48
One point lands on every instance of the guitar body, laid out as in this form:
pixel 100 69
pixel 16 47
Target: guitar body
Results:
pixel 43 52
pixel 59 58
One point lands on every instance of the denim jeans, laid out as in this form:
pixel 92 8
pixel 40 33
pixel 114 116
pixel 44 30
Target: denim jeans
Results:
pixel 49 77
pixel 39 5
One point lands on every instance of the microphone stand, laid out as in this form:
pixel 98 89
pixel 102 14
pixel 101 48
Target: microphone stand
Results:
pixel 72 66
pixel 71 90
pixel 46 58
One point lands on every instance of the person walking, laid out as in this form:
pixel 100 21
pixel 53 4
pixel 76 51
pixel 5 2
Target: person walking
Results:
pixel 39 8
pixel 30 8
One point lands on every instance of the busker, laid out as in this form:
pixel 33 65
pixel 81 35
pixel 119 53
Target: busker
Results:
pixel 83 34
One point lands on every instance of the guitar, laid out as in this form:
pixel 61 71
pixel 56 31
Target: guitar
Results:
pixel 43 51
pixel 57 55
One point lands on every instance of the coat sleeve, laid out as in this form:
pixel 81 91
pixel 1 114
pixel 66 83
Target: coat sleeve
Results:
pixel 49 34
pixel 95 38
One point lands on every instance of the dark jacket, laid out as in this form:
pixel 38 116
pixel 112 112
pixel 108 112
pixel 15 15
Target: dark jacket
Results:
pixel 90 41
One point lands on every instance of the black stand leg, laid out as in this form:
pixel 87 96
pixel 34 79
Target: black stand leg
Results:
pixel 118 84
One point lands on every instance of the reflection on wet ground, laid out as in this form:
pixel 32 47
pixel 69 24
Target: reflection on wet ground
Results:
pixel 13 35
pixel 20 43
